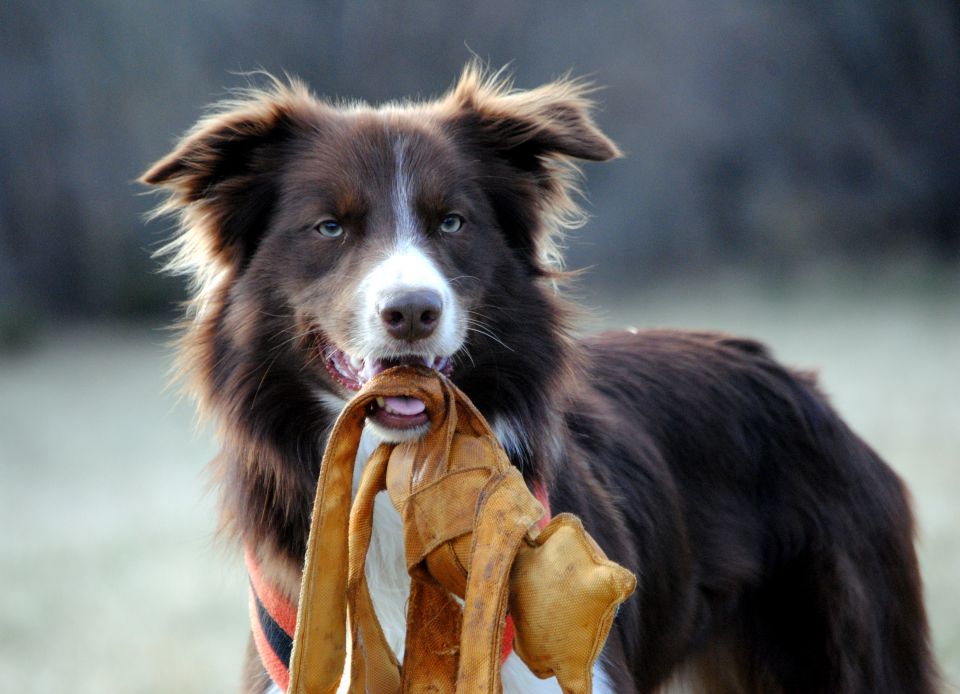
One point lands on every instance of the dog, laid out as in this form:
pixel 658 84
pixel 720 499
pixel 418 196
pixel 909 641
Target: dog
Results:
pixel 325 243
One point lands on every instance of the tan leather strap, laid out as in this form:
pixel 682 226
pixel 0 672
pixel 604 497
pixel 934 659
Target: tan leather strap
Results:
pixel 434 628
pixel 373 664
pixel 506 513
pixel 319 645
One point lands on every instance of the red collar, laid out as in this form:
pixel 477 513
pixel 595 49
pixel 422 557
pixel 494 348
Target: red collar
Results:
pixel 273 618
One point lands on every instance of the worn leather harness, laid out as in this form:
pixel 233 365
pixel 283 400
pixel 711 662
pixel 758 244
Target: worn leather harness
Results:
pixel 474 551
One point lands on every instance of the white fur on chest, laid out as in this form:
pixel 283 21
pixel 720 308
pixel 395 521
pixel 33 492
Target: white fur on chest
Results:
pixel 389 586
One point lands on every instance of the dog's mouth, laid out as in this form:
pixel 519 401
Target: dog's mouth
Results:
pixel 394 412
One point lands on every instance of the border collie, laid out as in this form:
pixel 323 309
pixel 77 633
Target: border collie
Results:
pixel 773 548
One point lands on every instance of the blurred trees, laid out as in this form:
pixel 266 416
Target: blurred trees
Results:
pixel 760 135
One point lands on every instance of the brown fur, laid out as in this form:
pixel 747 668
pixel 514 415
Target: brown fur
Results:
pixel 773 547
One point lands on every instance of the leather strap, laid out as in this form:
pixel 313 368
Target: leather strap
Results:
pixel 470 530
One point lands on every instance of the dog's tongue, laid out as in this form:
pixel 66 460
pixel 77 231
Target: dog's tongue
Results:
pixel 405 406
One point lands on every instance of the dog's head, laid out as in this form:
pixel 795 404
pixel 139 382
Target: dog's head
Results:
pixel 327 243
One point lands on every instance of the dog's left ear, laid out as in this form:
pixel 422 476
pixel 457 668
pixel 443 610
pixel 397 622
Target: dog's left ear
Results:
pixel 527 127
pixel 527 144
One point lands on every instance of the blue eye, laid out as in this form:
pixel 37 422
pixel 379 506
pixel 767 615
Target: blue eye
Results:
pixel 451 224
pixel 330 228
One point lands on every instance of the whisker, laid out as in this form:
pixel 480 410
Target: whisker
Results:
pixel 297 336
pixel 466 350
pixel 463 277
pixel 263 378
pixel 482 330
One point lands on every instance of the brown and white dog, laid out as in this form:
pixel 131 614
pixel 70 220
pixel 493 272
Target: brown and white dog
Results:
pixel 774 549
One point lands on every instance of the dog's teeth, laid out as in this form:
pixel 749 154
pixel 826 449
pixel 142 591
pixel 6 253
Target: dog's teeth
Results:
pixel 428 361
pixel 356 363
pixel 381 403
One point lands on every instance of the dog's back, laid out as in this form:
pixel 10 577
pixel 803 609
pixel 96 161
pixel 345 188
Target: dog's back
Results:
pixel 774 547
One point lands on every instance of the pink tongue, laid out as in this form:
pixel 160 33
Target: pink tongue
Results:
pixel 405 406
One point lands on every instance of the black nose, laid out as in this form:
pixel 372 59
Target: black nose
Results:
pixel 411 315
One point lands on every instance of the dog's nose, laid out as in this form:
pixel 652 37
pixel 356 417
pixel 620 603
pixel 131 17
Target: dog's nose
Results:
pixel 412 315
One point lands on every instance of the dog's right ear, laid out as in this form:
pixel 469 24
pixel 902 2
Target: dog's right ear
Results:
pixel 220 174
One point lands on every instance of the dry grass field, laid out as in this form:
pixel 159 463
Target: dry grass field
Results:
pixel 112 577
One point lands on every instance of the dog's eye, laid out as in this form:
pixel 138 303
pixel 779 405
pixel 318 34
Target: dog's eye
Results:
pixel 330 228
pixel 451 224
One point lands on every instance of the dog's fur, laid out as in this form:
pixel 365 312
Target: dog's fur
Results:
pixel 773 548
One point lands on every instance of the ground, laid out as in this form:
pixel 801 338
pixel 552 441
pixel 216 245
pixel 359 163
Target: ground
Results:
pixel 114 580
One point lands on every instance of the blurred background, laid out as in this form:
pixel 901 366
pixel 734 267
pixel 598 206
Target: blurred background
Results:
pixel 792 172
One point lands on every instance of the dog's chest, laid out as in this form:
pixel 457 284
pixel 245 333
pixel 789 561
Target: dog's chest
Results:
pixel 389 586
